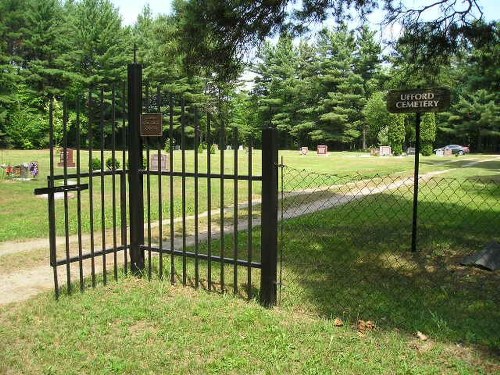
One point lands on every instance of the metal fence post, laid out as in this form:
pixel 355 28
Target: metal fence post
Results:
pixel 414 229
pixel 135 178
pixel 269 215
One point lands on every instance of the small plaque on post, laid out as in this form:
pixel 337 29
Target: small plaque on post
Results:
pixel 151 125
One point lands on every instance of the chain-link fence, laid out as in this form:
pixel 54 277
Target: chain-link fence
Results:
pixel 346 252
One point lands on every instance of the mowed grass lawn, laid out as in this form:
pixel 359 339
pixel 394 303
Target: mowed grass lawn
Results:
pixel 137 326
pixel 24 216
pixel 141 327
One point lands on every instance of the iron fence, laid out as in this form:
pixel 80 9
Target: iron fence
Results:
pixel 345 249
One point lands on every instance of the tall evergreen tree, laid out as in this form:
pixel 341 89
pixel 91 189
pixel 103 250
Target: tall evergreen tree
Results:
pixel 339 110
pixel 367 63
pixel 99 50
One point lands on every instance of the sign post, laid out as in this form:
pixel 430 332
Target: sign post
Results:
pixel 417 101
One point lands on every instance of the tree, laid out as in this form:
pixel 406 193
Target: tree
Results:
pixel 275 86
pixel 216 33
pixel 427 133
pixel 377 117
pixel 367 64
pixel 11 39
pixel 396 133
pixel 97 48
pixel 475 121
pixel 42 47
pixel 339 110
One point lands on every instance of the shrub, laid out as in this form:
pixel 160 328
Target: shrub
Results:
pixel 95 164
pixel 112 163
pixel 212 149
pixel 426 149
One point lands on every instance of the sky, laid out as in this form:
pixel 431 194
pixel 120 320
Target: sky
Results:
pixel 129 9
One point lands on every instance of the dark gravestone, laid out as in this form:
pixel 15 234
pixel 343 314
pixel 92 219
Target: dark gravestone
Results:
pixel 69 159
pixel 322 150
pixel 489 258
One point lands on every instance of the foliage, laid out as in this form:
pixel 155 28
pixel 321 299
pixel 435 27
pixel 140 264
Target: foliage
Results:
pixel 112 163
pixel 95 164
pixel 427 133
pixel 377 117
pixel 396 133
pixel 220 31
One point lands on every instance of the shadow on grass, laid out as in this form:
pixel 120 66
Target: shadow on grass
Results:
pixel 354 261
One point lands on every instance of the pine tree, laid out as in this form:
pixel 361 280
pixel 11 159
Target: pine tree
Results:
pixel 367 63
pixel 42 47
pixel 339 110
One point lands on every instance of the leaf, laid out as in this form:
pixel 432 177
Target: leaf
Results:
pixel 421 336
pixel 337 322
pixel 365 326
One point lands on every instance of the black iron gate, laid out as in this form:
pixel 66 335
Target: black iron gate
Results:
pixel 183 204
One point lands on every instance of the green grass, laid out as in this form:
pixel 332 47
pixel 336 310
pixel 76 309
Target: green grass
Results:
pixel 24 216
pixel 351 262
pixel 151 327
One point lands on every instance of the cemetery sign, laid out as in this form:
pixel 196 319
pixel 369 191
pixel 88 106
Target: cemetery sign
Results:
pixel 418 100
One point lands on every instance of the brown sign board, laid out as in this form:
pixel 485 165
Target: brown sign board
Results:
pixel 151 125
pixel 418 100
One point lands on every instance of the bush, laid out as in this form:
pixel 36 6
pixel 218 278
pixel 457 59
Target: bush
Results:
pixel 426 149
pixel 212 149
pixel 95 165
pixel 112 163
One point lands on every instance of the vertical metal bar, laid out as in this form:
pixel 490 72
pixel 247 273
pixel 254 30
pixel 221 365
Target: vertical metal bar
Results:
pixel 222 167
pixel 79 194
pixel 160 195
pixel 51 201
pixel 196 201
pixel 171 188
pixel 66 205
pixel 183 183
pixel 269 227
pixel 148 202
pixel 136 196
pixel 91 191
pixel 415 184
pixel 235 210
pixel 103 207
pixel 250 217
pixel 209 203
pixel 282 223
pixel 148 190
pixel 123 185
pixel 113 178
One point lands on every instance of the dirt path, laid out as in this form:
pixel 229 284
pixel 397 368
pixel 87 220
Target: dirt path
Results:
pixel 26 283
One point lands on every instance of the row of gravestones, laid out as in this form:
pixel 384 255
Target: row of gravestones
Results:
pixel 320 150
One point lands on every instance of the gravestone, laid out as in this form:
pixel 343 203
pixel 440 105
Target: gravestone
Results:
pixel 385 151
pixel 69 158
pixel 322 150
pixel 162 166
pixel 304 150
pixel 410 151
